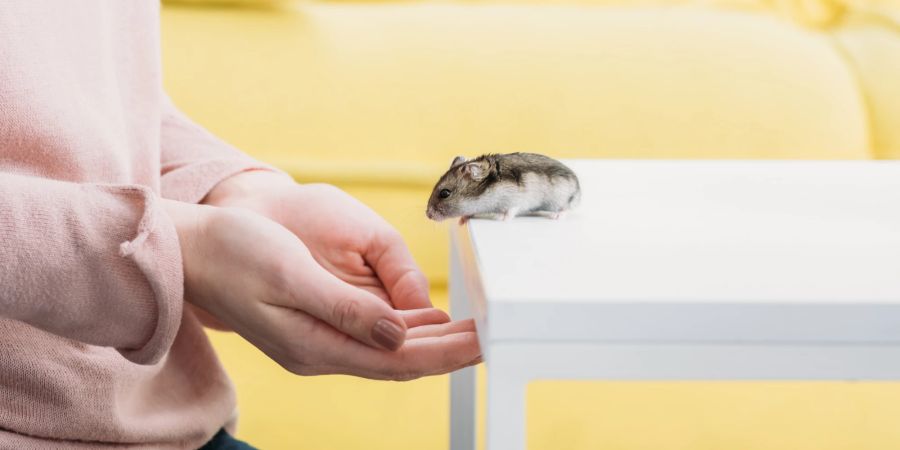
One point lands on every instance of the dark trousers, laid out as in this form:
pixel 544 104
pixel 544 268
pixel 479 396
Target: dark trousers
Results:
pixel 223 441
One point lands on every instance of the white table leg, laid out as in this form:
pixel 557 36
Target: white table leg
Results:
pixel 505 409
pixel 462 382
pixel 462 409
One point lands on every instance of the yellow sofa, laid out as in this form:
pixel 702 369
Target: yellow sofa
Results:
pixel 378 97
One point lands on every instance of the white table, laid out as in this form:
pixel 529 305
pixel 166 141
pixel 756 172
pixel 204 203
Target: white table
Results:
pixel 683 270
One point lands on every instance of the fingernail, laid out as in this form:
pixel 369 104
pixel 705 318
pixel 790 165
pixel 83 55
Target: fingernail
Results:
pixel 388 334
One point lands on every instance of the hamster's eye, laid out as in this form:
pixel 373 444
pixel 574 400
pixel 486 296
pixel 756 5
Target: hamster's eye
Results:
pixel 444 193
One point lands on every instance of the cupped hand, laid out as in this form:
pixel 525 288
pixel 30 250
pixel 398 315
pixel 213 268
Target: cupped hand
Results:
pixel 259 279
pixel 347 238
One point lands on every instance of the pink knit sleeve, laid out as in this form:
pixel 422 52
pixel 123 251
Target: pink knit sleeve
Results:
pixel 193 160
pixel 96 263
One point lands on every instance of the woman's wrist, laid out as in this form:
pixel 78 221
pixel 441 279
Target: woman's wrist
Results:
pixel 189 220
pixel 243 185
pixel 186 217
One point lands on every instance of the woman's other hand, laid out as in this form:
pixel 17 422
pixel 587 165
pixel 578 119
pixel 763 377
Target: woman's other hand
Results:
pixel 346 237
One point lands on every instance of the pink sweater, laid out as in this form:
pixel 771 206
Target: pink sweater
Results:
pixel 96 349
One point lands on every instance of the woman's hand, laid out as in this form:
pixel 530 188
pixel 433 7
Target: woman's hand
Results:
pixel 259 279
pixel 347 238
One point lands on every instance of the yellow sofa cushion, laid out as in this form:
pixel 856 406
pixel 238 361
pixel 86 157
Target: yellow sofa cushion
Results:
pixel 871 46
pixel 344 86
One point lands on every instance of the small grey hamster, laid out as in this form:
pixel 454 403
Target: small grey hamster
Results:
pixel 502 186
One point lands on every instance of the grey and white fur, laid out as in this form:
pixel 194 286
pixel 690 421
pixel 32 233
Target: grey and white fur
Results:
pixel 502 186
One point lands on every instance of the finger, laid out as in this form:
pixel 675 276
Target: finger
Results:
pixel 443 329
pixel 424 316
pixel 378 292
pixel 328 351
pixel 417 358
pixel 350 310
pixel 402 278
pixel 435 355
pixel 307 346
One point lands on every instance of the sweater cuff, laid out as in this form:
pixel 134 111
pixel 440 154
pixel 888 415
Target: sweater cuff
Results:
pixel 191 181
pixel 155 251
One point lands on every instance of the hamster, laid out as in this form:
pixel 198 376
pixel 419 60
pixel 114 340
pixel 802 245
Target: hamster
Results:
pixel 502 186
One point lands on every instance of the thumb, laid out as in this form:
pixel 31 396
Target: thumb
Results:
pixel 352 311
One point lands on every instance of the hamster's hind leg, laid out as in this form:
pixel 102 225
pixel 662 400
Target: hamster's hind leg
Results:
pixel 556 215
pixel 510 213
pixel 551 214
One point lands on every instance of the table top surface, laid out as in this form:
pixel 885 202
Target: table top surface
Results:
pixel 705 231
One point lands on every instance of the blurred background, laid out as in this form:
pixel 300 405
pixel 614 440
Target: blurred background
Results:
pixel 378 96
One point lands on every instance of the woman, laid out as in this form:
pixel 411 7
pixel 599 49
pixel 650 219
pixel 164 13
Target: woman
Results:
pixel 124 226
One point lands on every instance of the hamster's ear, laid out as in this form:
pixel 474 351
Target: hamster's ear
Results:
pixel 457 161
pixel 477 170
